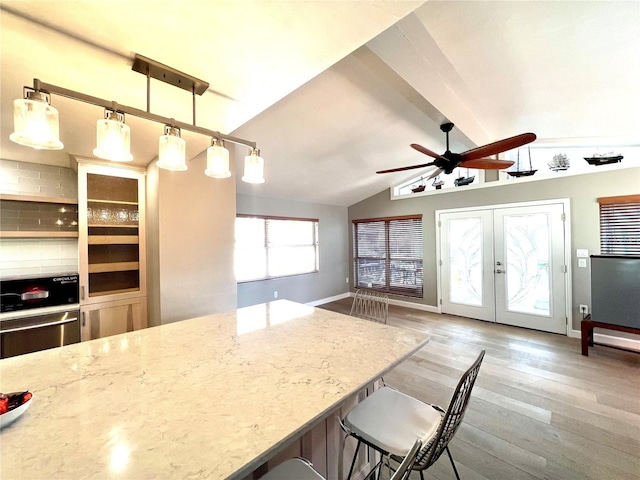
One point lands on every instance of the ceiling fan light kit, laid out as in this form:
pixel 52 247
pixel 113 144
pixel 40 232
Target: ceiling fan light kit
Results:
pixel 36 125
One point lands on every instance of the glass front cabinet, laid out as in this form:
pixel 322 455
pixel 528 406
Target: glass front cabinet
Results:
pixel 111 213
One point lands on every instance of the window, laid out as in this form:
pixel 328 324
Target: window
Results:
pixel 388 254
pixel 620 225
pixel 269 247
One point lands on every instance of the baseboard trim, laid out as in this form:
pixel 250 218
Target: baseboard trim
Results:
pixel 415 306
pixel 611 340
pixel 404 303
pixel 335 298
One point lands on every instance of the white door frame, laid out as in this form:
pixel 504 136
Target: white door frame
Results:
pixel 567 247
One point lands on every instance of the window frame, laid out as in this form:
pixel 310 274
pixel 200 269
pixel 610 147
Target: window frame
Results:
pixel 418 291
pixel 617 216
pixel 266 218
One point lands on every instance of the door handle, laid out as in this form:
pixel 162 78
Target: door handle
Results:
pixel 40 325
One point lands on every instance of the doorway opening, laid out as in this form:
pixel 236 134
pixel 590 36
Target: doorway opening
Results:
pixel 507 264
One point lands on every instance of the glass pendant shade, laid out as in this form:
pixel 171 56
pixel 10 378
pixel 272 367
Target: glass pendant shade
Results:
pixel 217 160
pixel 113 138
pixel 35 122
pixel 172 150
pixel 253 167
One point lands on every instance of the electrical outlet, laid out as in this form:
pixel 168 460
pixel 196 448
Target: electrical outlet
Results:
pixel 347 280
pixel 584 309
pixel 275 294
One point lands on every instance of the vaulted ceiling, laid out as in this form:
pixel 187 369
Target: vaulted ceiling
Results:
pixel 332 90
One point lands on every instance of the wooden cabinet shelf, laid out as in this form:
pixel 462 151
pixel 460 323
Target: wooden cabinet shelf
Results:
pixel 104 225
pixel 38 198
pixel 111 202
pixel 38 234
pixel 113 292
pixel 32 216
pixel 113 240
pixel 113 267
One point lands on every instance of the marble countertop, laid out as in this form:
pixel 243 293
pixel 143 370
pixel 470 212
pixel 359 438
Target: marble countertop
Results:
pixel 211 397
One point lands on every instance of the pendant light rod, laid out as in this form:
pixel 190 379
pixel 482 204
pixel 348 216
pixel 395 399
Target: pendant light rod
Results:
pixel 136 112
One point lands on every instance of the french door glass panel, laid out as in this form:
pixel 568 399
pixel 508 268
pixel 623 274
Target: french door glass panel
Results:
pixel 527 263
pixel 467 253
pixel 465 260
pixel 529 244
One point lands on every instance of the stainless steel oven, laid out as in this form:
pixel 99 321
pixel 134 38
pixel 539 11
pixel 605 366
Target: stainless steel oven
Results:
pixel 38 313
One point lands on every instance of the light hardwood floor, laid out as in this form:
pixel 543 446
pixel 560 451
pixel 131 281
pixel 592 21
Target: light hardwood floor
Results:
pixel 539 409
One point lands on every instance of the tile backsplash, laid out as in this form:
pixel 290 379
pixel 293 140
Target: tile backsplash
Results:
pixel 21 257
pixel 36 179
pixel 37 256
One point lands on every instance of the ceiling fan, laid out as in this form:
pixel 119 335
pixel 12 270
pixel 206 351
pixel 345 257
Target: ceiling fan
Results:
pixel 474 158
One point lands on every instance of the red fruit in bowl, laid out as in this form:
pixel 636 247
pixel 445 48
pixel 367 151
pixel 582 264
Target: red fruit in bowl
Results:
pixel 4 403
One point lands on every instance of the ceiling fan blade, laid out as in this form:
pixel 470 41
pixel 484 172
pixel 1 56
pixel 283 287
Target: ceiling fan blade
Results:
pixel 487 164
pixel 498 147
pixel 435 173
pixel 426 151
pixel 401 169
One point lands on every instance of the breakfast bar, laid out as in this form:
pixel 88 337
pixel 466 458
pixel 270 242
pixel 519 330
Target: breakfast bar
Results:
pixel 212 397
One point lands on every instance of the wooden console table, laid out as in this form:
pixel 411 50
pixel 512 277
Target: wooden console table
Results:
pixel 586 329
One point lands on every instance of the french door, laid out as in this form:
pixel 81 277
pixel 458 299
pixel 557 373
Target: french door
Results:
pixel 506 265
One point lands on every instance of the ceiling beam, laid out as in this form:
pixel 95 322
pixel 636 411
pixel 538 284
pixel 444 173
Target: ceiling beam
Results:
pixel 410 51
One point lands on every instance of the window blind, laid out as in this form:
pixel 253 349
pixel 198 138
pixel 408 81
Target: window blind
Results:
pixel 388 255
pixel 270 247
pixel 620 225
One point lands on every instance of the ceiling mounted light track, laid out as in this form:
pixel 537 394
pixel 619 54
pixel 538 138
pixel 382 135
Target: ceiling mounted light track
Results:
pixel 36 125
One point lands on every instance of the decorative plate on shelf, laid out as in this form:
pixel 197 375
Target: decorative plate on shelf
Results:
pixel 10 416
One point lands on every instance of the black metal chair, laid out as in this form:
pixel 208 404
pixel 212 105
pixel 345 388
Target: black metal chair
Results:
pixel 388 421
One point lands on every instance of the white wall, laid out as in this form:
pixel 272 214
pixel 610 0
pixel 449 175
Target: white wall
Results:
pixel 191 221
pixel 333 233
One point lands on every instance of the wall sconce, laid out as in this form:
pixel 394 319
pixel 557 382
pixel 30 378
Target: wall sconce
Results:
pixel 36 125
pixel 113 138
pixel 35 121
pixel 217 160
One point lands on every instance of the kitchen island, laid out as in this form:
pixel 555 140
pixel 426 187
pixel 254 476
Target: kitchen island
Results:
pixel 212 397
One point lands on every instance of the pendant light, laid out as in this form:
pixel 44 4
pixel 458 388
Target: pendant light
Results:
pixel 253 167
pixel 217 160
pixel 35 122
pixel 172 150
pixel 113 138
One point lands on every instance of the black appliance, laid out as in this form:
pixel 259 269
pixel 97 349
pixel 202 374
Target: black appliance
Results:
pixel 38 313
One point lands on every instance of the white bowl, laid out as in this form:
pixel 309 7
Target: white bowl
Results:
pixel 11 416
